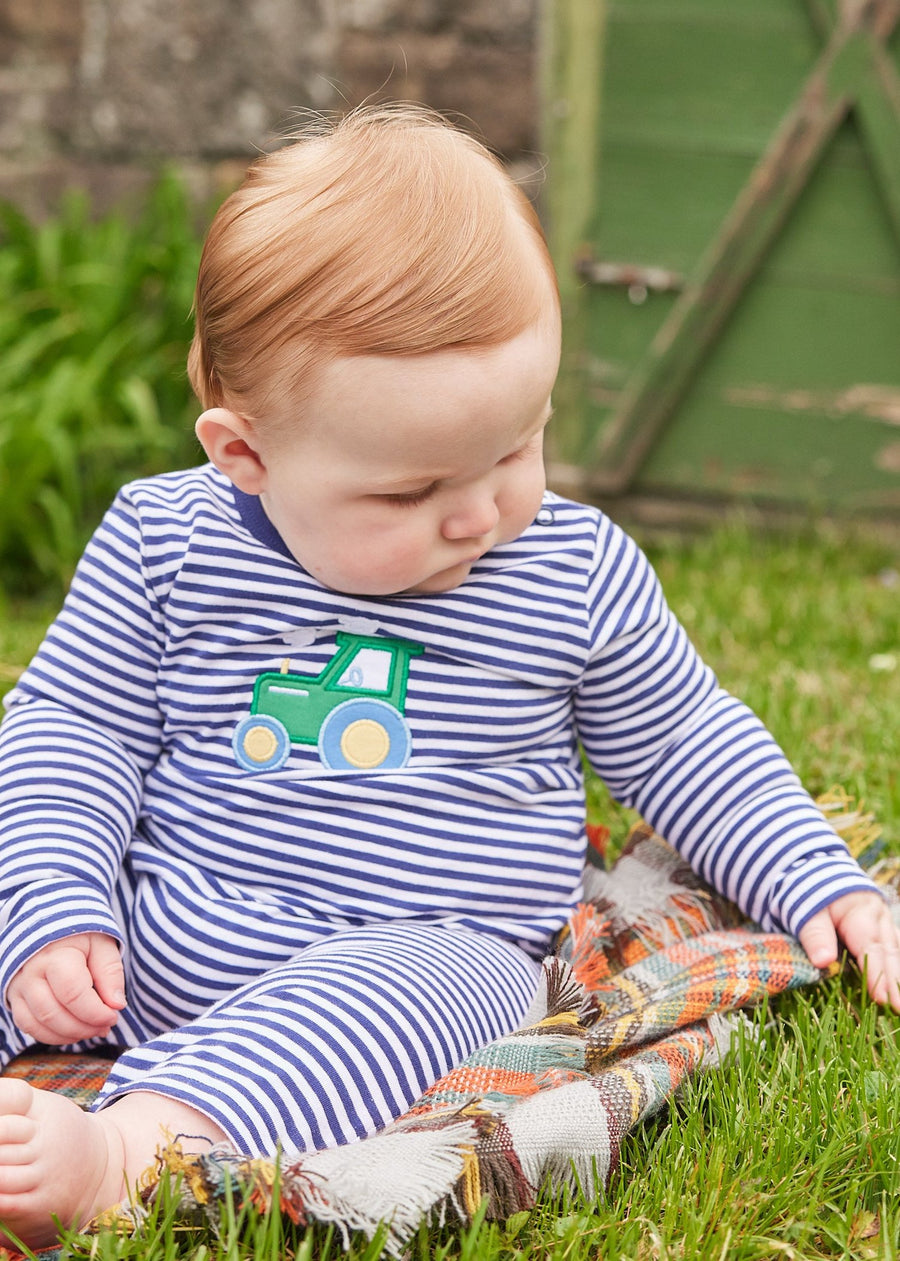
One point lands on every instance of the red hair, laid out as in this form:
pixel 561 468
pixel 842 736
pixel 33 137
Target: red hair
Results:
pixel 389 232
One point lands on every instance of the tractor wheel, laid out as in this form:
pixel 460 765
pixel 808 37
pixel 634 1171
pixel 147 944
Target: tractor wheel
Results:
pixel 364 735
pixel 261 743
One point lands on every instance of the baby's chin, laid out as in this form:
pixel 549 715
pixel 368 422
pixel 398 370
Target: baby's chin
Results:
pixel 437 584
pixel 446 580
pixel 365 587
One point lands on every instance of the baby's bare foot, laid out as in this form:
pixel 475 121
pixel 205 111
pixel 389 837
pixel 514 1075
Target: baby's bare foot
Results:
pixel 55 1161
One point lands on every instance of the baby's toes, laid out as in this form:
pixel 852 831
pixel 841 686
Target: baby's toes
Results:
pixel 18 1172
pixel 16 1133
pixel 16 1181
pixel 16 1097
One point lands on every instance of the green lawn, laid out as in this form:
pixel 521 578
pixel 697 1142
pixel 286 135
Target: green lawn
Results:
pixel 792 1150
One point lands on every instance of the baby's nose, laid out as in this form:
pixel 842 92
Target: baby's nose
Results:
pixel 472 518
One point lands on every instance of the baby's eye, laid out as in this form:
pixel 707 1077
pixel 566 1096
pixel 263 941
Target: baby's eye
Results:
pixel 412 499
pixel 524 451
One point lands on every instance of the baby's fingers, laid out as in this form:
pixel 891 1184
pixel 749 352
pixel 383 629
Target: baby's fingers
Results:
pixel 819 939
pixel 43 1018
pixel 869 933
pixel 882 964
pixel 73 988
pixel 104 962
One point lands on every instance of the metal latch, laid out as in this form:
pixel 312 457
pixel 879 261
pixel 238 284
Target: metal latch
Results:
pixel 638 279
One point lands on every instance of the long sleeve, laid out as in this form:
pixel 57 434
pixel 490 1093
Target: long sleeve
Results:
pixel 83 727
pixel 696 762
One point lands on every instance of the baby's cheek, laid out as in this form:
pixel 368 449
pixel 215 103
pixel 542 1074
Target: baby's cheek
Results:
pixel 380 562
pixel 397 553
pixel 521 505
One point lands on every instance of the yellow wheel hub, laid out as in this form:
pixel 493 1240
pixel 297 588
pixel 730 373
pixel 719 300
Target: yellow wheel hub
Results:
pixel 365 743
pixel 260 744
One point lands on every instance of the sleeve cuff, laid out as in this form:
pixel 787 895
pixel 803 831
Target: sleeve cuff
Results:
pixel 811 883
pixel 62 913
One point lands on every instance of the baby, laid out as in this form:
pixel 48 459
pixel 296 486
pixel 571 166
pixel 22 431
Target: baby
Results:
pixel 291 795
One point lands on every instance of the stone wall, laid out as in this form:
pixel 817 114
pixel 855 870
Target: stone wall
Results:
pixel 97 93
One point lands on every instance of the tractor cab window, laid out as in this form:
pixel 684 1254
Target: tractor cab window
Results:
pixel 369 670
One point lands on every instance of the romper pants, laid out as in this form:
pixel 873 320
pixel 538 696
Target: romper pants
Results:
pixel 291 1044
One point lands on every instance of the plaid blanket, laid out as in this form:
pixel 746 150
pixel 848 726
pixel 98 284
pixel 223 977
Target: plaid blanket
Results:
pixel 644 989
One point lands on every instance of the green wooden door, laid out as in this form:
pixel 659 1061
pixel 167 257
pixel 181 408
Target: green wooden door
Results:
pixel 724 205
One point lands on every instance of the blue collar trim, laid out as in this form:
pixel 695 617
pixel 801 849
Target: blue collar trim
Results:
pixel 254 518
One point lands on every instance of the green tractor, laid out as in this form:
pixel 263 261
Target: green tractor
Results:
pixel 353 709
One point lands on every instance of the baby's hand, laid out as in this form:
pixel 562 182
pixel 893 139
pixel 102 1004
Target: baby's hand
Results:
pixel 863 922
pixel 70 990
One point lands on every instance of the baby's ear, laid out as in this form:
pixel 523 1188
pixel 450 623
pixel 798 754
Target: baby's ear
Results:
pixel 230 444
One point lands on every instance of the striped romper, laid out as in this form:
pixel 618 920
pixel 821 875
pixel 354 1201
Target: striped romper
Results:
pixel 334 835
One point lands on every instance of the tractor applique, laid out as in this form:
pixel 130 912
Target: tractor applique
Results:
pixel 352 710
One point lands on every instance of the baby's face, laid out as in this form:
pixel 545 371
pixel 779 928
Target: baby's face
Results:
pixel 407 469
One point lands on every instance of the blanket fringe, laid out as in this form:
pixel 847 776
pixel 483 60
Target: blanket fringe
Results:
pixel 560 993
pixel 390 1180
pixel 726 1030
pixel 855 825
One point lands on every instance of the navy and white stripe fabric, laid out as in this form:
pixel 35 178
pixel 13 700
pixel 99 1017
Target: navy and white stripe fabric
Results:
pixel 124 809
pixel 335 1042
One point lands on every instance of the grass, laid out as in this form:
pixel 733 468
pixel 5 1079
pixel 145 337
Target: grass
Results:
pixel 790 1150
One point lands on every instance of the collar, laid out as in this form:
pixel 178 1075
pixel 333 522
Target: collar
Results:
pixel 253 516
